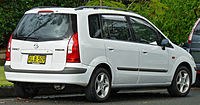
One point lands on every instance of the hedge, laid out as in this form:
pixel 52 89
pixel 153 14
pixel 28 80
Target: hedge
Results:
pixel 175 18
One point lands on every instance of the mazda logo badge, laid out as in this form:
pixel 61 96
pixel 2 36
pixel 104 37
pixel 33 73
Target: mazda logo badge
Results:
pixel 36 46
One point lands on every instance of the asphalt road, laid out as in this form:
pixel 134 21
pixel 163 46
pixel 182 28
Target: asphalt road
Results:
pixel 151 97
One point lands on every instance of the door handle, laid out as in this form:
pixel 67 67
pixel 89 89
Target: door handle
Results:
pixel 110 48
pixel 144 52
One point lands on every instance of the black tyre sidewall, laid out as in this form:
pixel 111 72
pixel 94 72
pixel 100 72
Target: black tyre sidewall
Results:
pixel 173 90
pixel 197 82
pixel 90 89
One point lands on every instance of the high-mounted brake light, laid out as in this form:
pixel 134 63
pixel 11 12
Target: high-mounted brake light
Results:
pixel 73 55
pixel 45 11
pixel 9 49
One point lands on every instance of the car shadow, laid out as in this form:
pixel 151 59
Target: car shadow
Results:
pixel 117 97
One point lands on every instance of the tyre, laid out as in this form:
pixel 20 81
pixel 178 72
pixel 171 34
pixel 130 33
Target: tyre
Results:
pixel 100 86
pixel 114 91
pixel 181 83
pixel 197 82
pixel 25 92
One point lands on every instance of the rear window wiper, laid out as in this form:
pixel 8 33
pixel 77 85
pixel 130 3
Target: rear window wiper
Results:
pixel 37 29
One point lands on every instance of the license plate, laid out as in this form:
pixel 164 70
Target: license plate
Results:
pixel 36 59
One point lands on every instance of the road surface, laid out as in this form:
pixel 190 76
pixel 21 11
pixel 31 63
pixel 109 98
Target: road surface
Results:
pixel 150 97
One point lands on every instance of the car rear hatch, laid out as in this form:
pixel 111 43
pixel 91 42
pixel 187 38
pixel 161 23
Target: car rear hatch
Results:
pixel 40 41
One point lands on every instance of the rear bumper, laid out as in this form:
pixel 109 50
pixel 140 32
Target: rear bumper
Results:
pixel 69 75
pixel 66 70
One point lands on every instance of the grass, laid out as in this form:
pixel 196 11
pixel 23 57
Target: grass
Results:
pixel 3 81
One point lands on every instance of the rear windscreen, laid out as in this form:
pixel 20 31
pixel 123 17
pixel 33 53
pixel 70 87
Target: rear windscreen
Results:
pixel 46 27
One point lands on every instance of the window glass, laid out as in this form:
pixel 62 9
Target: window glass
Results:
pixel 94 26
pixel 46 27
pixel 143 31
pixel 115 27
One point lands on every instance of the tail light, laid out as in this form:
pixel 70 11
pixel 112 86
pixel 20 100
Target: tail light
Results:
pixel 190 38
pixel 198 71
pixel 73 55
pixel 9 49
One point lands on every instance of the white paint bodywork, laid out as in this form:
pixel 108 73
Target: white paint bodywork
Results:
pixel 96 51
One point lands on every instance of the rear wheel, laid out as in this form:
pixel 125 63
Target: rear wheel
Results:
pixel 181 83
pixel 100 85
pixel 25 92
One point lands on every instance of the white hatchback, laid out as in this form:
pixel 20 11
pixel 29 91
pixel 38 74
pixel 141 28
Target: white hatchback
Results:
pixel 99 49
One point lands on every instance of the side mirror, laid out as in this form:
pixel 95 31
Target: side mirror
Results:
pixel 164 43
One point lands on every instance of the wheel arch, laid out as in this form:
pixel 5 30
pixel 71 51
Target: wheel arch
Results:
pixel 103 65
pixel 174 89
pixel 183 61
pixel 187 65
pixel 101 61
pixel 90 90
pixel 106 66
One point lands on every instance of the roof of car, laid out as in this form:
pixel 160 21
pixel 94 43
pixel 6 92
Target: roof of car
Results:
pixel 82 10
pixel 87 11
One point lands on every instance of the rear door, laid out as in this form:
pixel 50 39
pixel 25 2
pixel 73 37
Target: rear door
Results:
pixel 122 54
pixel 40 41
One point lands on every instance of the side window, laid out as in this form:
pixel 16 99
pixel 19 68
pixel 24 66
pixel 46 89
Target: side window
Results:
pixel 197 30
pixel 143 31
pixel 115 27
pixel 94 26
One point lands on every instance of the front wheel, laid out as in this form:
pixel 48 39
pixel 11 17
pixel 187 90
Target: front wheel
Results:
pixel 181 83
pixel 100 85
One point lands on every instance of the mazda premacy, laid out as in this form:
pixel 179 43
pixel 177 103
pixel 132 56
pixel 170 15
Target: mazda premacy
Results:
pixel 101 49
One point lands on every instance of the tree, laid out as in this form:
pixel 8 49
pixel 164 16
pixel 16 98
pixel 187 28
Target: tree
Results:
pixel 11 11
pixel 175 18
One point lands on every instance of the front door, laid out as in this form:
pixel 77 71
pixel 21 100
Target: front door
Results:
pixel 153 62
pixel 121 52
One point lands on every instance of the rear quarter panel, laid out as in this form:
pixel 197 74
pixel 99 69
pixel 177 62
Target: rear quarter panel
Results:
pixel 92 50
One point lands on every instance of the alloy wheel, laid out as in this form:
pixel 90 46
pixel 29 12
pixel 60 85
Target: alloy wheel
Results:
pixel 183 81
pixel 102 85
